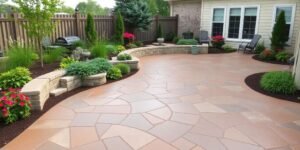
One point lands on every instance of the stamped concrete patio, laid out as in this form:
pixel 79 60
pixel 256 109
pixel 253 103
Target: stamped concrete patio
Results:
pixel 174 102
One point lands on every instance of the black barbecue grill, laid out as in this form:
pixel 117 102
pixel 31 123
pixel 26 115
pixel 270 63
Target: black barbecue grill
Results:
pixel 67 42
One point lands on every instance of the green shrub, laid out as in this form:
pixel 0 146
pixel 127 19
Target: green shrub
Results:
pixel 111 50
pixel 131 45
pixel 101 64
pixel 65 62
pixel 20 56
pixel 80 43
pixel 279 33
pixel 99 50
pixel 159 32
pixel 15 78
pixel 54 55
pixel 120 48
pixel 138 43
pixel 124 57
pixel 260 48
pixel 114 73
pixel 170 36
pixel 282 56
pixel 14 106
pixel 267 55
pixel 119 29
pixel 90 30
pixel 3 62
pixel 228 48
pixel 92 67
pixel 187 42
pixel 278 82
pixel 175 39
pixel 125 69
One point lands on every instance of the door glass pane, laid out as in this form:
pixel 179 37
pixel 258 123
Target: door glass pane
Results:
pixel 249 23
pixel 234 23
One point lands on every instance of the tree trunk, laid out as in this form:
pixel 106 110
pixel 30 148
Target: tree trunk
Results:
pixel 40 49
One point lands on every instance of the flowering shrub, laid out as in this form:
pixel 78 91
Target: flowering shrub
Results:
pixel 129 36
pixel 14 106
pixel 267 55
pixel 218 41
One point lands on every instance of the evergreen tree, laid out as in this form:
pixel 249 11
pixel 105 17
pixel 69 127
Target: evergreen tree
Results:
pixel 90 30
pixel 279 34
pixel 119 29
pixel 136 14
pixel 159 33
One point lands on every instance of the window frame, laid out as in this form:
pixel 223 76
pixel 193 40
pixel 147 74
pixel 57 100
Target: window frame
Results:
pixel 242 7
pixel 224 19
pixel 292 18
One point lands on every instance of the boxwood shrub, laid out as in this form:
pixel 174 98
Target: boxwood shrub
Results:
pixel 187 42
pixel 124 68
pixel 114 73
pixel 278 82
pixel 124 57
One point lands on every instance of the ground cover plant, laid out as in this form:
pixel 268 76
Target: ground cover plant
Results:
pixel 282 56
pixel 228 48
pixel 124 68
pixel 278 82
pixel 114 73
pixel 123 57
pixel 187 42
pixel 15 78
pixel 66 62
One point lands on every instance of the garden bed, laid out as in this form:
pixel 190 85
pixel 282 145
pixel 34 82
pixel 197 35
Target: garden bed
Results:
pixel 213 50
pixel 9 132
pixel 256 57
pixel 253 81
pixel 37 70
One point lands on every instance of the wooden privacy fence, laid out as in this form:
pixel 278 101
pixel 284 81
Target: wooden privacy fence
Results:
pixel 11 28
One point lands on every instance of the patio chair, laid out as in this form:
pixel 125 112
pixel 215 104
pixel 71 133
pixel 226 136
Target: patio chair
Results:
pixel 203 37
pixel 251 45
pixel 46 43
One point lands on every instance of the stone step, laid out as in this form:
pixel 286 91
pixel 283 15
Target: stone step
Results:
pixel 58 91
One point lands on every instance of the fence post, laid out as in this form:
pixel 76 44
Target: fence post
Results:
pixel 177 22
pixel 77 23
pixel 16 26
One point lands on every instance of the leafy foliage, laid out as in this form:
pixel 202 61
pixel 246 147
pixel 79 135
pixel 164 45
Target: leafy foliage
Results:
pixel 228 48
pixel 119 29
pixel 85 69
pixel 218 41
pixel 38 14
pixel 159 7
pixel 90 30
pixel 91 7
pixel 260 48
pixel 99 50
pixel 175 39
pixel 66 62
pixel 267 55
pixel 278 82
pixel 65 9
pixel 187 42
pixel 131 45
pixel 54 55
pixel 80 43
pixel 114 73
pixel 14 106
pixel 125 69
pixel 170 36
pixel 138 43
pixel 282 56
pixel 20 56
pixel 120 48
pixel 122 57
pixel 15 78
pixel 136 14
pixel 111 50
pixel 279 34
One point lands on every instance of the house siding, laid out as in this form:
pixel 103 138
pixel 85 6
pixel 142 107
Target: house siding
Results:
pixel 189 13
pixel 265 17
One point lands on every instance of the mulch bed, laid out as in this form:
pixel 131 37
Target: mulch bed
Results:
pixel 9 132
pixel 253 81
pixel 256 57
pixel 213 50
pixel 36 70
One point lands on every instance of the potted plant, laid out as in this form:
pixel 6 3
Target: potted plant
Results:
pixel 160 38
pixel 218 41
pixel 188 35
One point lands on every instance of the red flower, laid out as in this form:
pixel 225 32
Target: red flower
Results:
pixel 9 103
pixel 128 35
pixel 22 104
pixel 1 105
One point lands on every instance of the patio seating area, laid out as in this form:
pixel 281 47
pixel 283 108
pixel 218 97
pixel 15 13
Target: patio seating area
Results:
pixel 172 105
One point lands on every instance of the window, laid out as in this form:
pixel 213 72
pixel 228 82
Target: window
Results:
pixel 249 23
pixel 218 21
pixel 289 13
pixel 234 23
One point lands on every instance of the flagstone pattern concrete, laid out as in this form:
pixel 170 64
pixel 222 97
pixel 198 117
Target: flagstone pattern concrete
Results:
pixel 174 102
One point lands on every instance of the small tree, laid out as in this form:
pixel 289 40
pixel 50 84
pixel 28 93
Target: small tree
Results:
pixel 159 33
pixel 136 14
pixel 38 14
pixel 119 29
pixel 90 30
pixel 279 34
